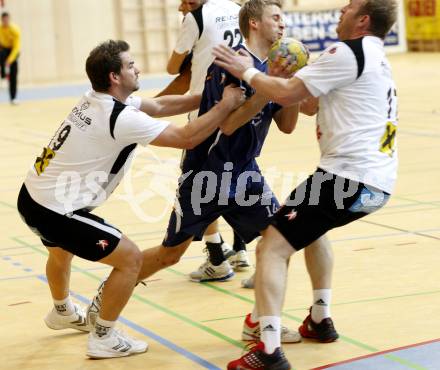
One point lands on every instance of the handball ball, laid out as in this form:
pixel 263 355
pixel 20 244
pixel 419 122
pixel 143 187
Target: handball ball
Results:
pixel 289 49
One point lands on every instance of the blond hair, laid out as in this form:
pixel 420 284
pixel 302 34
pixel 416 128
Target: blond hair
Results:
pixel 253 9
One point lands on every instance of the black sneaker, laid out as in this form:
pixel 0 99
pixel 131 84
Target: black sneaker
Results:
pixel 324 331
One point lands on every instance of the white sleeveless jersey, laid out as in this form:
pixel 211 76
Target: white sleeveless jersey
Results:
pixel 357 117
pixel 214 23
pixel 87 156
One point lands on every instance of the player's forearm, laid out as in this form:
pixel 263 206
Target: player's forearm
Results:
pixel 283 91
pixel 204 126
pixel 243 114
pixel 171 105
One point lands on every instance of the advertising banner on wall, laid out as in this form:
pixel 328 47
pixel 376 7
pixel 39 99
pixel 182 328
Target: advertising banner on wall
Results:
pixel 317 29
pixel 423 19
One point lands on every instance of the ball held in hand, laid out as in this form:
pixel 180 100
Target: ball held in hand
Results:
pixel 291 51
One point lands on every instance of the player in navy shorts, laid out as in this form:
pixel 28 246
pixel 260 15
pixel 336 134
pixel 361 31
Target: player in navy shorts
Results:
pixel 220 177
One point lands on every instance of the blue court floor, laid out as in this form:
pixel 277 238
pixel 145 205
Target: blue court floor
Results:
pixel 421 356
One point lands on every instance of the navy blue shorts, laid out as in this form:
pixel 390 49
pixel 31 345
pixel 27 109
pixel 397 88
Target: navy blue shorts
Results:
pixel 317 206
pixel 248 213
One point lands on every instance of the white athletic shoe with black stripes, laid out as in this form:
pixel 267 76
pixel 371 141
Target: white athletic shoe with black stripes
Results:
pixel 208 272
pixel 77 320
pixel 115 344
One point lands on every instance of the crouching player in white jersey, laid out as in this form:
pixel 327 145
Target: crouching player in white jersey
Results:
pixel 356 127
pixel 80 168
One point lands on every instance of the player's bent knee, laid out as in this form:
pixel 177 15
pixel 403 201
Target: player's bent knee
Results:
pixel 129 257
pixel 263 248
pixel 134 260
pixel 272 249
pixel 170 260
pixel 171 256
pixel 258 249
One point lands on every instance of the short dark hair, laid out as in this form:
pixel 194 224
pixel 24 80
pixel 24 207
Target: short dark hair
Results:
pixel 103 60
pixel 383 14
pixel 253 9
pixel 5 14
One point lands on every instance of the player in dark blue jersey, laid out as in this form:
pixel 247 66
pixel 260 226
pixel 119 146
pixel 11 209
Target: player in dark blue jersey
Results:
pixel 227 156
pixel 180 85
pixel 221 176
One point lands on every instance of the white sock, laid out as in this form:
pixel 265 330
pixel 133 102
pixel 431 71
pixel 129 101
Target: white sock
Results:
pixel 254 315
pixel 213 238
pixel 321 304
pixel 64 307
pixel 103 327
pixel 270 327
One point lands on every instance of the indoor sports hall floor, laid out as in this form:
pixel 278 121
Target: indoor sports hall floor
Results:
pixel 387 276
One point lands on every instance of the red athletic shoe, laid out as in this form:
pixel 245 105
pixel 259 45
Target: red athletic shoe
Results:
pixel 324 332
pixel 257 359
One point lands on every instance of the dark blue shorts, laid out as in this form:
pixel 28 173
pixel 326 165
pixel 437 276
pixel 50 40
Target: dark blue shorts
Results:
pixel 248 212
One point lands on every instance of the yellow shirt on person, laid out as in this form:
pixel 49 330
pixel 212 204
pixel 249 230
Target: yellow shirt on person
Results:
pixel 10 39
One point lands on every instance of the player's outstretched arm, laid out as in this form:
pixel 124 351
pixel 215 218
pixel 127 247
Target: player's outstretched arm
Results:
pixel 283 91
pixel 192 134
pixel 170 105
